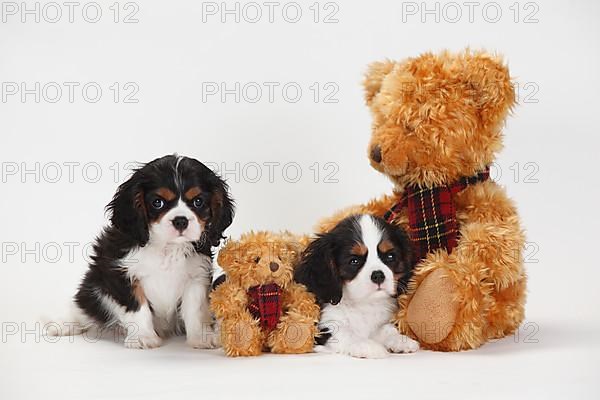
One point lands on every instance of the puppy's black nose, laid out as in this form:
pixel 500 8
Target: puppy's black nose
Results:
pixel 180 223
pixel 273 266
pixel 376 153
pixel 378 277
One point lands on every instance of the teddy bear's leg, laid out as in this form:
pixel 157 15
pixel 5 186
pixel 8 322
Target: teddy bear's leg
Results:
pixel 432 311
pixel 294 334
pixel 241 336
pixel 447 310
pixel 478 295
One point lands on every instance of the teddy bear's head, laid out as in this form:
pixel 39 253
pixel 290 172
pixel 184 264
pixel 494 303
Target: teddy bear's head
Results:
pixel 260 258
pixel 437 118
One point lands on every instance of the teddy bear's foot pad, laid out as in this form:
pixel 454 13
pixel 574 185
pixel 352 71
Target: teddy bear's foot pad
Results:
pixel 432 310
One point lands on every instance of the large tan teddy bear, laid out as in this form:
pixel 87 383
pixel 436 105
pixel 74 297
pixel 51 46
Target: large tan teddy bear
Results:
pixel 258 305
pixel 436 129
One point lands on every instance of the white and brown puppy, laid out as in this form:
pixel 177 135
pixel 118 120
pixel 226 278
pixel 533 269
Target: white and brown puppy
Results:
pixel 151 267
pixel 356 271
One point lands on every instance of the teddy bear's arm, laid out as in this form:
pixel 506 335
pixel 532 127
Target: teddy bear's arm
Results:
pixel 240 332
pixel 377 207
pixel 298 300
pixel 491 233
pixel 297 327
pixel 228 300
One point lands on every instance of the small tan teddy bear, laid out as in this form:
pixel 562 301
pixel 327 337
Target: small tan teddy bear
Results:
pixel 258 305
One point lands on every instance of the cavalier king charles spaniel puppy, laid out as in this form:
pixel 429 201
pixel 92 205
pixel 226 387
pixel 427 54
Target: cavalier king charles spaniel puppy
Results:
pixel 151 267
pixel 356 272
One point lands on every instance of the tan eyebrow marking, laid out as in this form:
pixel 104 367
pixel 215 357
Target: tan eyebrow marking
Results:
pixel 358 249
pixel 166 193
pixel 192 193
pixel 385 246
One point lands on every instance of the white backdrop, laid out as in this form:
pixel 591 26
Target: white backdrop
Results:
pixel 270 94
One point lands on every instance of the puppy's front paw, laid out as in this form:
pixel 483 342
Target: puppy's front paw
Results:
pixel 322 349
pixel 368 349
pixel 402 344
pixel 201 343
pixel 143 341
pixel 208 340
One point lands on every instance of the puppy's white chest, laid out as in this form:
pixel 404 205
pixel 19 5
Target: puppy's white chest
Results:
pixel 163 285
pixel 163 275
pixel 363 319
pixel 369 318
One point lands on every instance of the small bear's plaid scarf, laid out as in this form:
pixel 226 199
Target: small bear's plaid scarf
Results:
pixel 432 220
pixel 265 304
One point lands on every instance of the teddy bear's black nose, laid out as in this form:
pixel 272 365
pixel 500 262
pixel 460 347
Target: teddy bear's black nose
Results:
pixel 273 266
pixel 376 153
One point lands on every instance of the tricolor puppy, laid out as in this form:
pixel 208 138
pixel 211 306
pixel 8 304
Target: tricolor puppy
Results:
pixel 151 267
pixel 356 271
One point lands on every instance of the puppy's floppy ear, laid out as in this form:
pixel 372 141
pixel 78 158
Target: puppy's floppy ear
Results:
pixel 128 210
pixel 402 241
pixel 222 210
pixel 318 271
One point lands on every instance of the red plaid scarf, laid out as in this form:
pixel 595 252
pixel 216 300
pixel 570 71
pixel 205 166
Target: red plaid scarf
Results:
pixel 265 304
pixel 432 220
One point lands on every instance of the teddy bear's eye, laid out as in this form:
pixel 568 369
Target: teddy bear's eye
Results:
pixel 256 260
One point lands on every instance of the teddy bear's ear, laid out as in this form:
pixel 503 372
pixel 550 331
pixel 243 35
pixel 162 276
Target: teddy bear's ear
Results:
pixel 228 253
pixel 374 76
pixel 295 245
pixel 489 86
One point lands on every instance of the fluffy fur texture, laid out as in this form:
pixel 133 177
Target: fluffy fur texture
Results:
pixel 152 266
pixel 357 271
pixel 437 118
pixel 261 258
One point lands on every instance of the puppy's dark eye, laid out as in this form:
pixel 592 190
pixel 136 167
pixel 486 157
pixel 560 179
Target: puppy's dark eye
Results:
pixel 198 202
pixel 158 203
pixel 389 257
pixel 256 260
pixel 354 260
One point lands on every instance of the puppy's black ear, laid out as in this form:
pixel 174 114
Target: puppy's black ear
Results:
pixel 222 210
pixel 317 270
pixel 404 245
pixel 128 210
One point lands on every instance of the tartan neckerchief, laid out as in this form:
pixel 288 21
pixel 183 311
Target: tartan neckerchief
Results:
pixel 265 304
pixel 432 220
